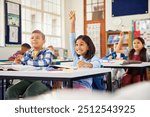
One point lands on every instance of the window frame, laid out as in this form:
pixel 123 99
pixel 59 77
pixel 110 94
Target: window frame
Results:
pixel 50 37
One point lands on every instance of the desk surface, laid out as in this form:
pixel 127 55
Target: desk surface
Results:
pixel 57 74
pixel 6 62
pixel 117 65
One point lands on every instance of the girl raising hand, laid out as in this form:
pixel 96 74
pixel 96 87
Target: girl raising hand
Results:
pixel 83 52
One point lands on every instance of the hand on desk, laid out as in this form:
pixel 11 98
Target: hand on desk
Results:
pixel 18 59
pixel 110 57
pixel 82 64
pixel 119 58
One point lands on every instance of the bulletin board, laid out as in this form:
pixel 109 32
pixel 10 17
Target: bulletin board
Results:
pixel 129 7
pixel 13 23
pixel 142 29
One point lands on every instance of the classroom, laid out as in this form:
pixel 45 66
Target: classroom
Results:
pixel 66 46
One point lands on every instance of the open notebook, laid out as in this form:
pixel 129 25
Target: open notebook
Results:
pixel 17 68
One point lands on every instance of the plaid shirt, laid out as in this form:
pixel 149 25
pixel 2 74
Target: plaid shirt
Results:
pixel 43 59
pixel 114 55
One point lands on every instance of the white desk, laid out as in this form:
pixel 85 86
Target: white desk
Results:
pixel 117 65
pixel 142 66
pixel 67 75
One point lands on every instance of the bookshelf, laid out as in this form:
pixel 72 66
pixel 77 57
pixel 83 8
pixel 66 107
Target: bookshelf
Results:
pixel 113 37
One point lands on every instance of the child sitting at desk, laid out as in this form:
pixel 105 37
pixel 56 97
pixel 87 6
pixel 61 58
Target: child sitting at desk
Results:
pixel 54 52
pixel 38 57
pixel 83 52
pixel 118 54
pixel 138 53
pixel 24 47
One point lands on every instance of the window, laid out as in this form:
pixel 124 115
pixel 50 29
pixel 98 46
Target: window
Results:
pixel 95 9
pixel 44 15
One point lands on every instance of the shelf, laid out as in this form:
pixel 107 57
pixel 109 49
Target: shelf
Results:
pixel 124 44
pixel 117 32
pixel 113 37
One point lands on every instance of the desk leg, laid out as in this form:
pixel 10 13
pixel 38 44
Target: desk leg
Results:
pixel 3 89
pixel 64 84
pixel 143 74
pixel 70 84
pixel 109 82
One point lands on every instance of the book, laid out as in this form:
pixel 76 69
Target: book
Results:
pixel 131 62
pixel 61 66
pixel 18 68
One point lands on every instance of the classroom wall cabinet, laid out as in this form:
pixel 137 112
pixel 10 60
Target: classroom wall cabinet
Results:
pixel 94 24
pixel 113 37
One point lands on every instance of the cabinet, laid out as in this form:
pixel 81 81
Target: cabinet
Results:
pixel 113 37
pixel 94 24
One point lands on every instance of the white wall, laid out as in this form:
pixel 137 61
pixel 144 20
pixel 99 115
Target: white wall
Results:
pixel 112 22
pixel 76 5
pixel 6 52
pixel 2 22
pixel 16 1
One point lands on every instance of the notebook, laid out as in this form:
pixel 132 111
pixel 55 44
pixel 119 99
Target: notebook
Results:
pixel 131 62
pixel 17 68
pixel 62 66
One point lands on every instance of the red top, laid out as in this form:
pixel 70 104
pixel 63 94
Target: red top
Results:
pixel 136 57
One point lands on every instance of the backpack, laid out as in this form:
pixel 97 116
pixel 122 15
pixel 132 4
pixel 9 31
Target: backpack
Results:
pixel 99 83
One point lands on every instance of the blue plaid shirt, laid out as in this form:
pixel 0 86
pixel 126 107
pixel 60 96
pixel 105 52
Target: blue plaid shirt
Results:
pixel 43 59
pixel 114 55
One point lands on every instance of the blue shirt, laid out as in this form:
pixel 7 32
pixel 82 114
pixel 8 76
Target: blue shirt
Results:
pixel 94 61
pixel 114 55
pixel 43 59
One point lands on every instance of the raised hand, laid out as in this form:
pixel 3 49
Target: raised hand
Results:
pixel 72 18
pixel 121 35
